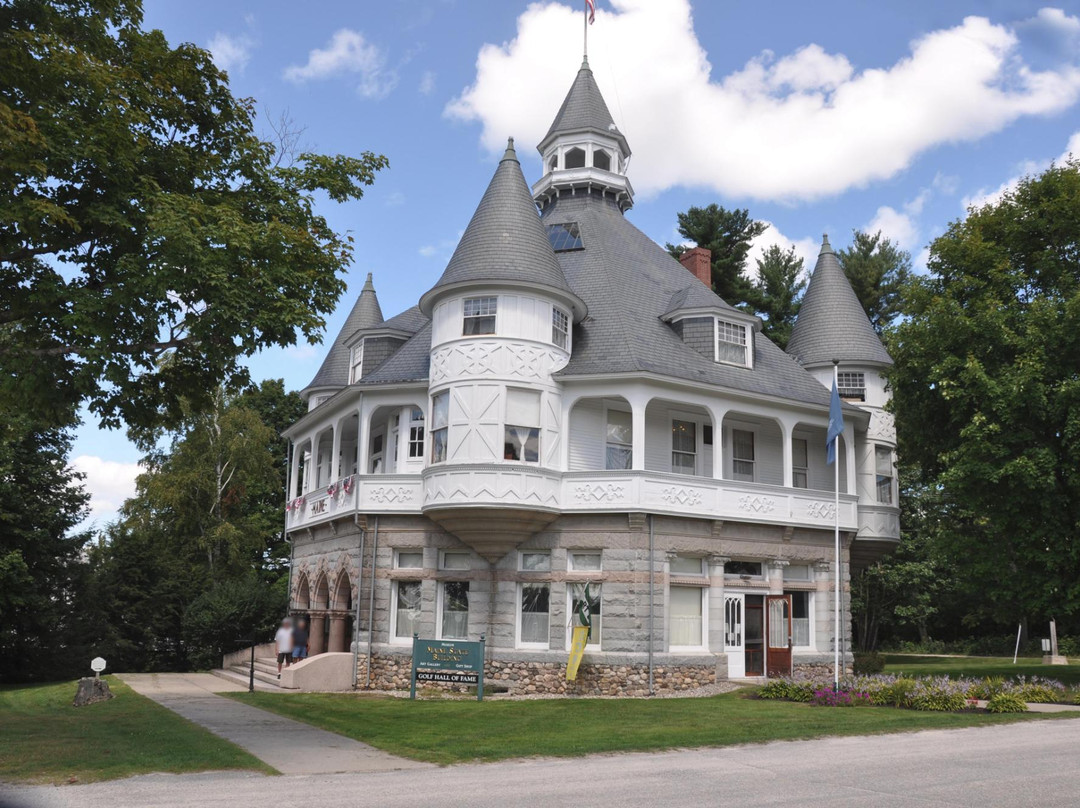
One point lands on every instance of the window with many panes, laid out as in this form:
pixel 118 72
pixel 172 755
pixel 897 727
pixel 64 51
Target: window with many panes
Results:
pixel 560 328
pixel 800 463
pixel 851 385
pixel 440 421
pixel 416 432
pixel 619 450
pixel 356 371
pixel 731 343
pixel 884 464
pixel 522 432
pixel 742 455
pixel 479 316
pixel 683 447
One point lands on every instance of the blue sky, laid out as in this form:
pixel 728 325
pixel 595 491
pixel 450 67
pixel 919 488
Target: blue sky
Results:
pixel 816 116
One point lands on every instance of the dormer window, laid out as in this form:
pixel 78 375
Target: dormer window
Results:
pixel 560 328
pixel 731 343
pixel 356 366
pixel 574 158
pixel 602 160
pixel 851 386
pixel 479 316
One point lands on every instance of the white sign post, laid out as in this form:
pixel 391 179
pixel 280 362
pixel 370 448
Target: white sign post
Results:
pixel 97 665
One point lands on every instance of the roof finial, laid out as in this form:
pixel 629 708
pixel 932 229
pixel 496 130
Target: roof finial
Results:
pixel 368 285
pixel 509 154
pixel 825 246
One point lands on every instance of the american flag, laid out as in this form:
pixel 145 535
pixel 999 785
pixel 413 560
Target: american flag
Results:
pixel 590 6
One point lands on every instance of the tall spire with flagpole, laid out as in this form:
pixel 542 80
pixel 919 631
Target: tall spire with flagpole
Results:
pixel 590 18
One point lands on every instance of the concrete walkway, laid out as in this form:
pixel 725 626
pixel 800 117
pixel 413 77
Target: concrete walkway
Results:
pixel 289 746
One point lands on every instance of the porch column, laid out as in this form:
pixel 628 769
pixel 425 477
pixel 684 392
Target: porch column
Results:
pixel 637 417
pixel 337 633
pixel 335 450
pixel 294 472
pixel 786 432
pixel 717 625
pixel 311 464
pixel 717 416
pixel 363 439
pixel 849 452
pixel 776 577
pixel 315 635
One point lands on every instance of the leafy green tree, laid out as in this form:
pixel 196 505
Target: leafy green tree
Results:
pixel 230 611
pixel 42 577
pixel 143 219
pixel 987 396
pixel 777 292
pixel 727 234
pixel 878 271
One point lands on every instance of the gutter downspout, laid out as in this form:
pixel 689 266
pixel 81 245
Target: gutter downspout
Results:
pixel 285 527
pixel 652 597
pixel 359 600
pixel 371 607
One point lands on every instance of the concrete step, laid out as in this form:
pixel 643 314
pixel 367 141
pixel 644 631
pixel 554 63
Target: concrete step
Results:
pixel 242 680
pixel 263 673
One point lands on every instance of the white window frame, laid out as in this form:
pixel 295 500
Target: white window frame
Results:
pixel 483 300
pixel 679 418
pixel 356 365
pixel 521 560
pixel 440 604
pixel 395 639
pixel 796 469
pixel 720 326
pixel 878 450
pixel 518 642
pixel 537 426
pixel 442 560
pixel 560 328
pixel 704 646
pixel 761 576
pixel 416 439
pixel 753 461
pixel 851 381
pixel 409 551
pixel 811 631
pixel 608 442
pixel 445 429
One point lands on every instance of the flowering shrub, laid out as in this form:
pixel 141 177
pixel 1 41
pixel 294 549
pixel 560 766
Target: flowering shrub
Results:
pixel 827 697
pixel 939 694
pixel 1006 703
pixel 786 688
pixel 1037 689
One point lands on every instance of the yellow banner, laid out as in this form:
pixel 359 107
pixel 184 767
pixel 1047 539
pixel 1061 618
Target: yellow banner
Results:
pixel 577 651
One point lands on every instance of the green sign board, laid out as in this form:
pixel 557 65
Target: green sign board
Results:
pixel 459 662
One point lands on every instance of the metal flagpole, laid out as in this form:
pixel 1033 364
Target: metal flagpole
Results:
pixel 585 20
pixel 836 540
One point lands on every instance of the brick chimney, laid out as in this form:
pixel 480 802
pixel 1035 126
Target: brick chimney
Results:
pixel 699 261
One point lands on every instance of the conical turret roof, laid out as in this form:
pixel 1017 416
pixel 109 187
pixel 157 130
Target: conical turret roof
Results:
pixel 584 109
pixel 505 241
pixel 366 313
pixel 832 323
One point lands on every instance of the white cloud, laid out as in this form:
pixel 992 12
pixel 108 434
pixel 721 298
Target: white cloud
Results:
pixel 427 83
pixel 231 53
pixel 428 250
pixel 348 52
pixel 800 126
pixel 1026 169
pixel 899 226
pixel 109 484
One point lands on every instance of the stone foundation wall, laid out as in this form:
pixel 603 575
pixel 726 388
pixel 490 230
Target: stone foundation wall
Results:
pixel 392 672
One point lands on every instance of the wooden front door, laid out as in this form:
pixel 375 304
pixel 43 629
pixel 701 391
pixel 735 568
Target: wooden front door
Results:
pixel 778 632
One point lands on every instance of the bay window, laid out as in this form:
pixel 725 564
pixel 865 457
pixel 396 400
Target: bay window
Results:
pixel 479 316
pixel 884 466
pixel 560 328
pixel 522 432
pixel 440 421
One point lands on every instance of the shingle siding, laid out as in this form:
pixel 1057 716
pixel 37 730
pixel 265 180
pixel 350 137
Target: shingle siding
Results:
pixel 698 333
pixel 377 350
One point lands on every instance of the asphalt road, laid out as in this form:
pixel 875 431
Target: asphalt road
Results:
pixel 1032 764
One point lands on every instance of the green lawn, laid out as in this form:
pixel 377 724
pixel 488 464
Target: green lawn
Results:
pixel 44 739
pixel 445 731
pixel 981 667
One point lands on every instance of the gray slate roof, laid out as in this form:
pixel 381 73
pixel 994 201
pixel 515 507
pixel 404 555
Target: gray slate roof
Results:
pixel 334 371
pixel 505 240
pixel 832 323
pixel 696 295
pixel 584 108
pixel 410 363
pixel 628 281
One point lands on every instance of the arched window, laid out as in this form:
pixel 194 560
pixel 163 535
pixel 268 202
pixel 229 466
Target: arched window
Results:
pixel 575 158
pixel 601 159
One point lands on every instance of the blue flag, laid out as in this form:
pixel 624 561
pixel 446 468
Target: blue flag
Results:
pixel 836 424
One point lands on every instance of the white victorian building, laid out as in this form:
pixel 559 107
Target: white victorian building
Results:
pixel 570 405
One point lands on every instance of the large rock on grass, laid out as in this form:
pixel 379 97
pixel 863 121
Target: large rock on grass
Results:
pixel 91 691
